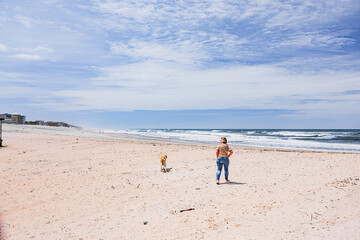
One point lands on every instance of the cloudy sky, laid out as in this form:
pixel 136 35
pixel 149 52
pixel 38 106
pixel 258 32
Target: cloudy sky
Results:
pixel 182 64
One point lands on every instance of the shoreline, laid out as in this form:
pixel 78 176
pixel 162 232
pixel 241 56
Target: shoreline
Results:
pixel 285 140
pixel 233 146
pixel 148 138
pixel 80 132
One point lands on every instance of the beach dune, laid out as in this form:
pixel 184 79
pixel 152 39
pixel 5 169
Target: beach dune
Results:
pixel 67 183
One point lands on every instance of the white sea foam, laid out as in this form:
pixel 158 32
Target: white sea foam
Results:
pixel 307 140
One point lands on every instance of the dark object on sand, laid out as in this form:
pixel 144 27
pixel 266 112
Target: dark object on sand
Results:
pixel 189 209
pixel 145 222
pixel 2 234
pixel 1 119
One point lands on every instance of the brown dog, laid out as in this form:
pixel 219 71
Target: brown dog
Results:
pixel 163 163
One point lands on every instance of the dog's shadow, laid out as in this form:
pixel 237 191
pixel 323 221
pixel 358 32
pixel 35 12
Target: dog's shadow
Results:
pixel 168 169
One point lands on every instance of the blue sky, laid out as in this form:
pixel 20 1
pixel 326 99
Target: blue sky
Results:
pixel 182 64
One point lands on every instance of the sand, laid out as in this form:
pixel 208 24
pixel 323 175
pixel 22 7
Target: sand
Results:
pixel 64 183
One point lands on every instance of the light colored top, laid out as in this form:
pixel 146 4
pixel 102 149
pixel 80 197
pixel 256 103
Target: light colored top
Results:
pixel 224 150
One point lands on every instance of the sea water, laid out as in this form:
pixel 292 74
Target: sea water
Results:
pixel 345 140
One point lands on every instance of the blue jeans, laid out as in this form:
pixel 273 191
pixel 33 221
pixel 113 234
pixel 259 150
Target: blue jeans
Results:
pixel 220 161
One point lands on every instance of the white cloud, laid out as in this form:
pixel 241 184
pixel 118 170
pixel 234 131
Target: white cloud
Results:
pixel 26 21
pixel 17 86
pixel 219 28
pixel 41 49
pixel 181 53
pixel 50 1
pixel 10 77
pixel 28 57
pixel 300 14
pixel 277 13
pixel 3 48
pixel 137 10
pixel 38 53
pixel 318 39
pixel 16 92
pixel 143 75
pixel 206 54
pixel 203 46
pixel 154 86
pixel 184 31
pixel 38 49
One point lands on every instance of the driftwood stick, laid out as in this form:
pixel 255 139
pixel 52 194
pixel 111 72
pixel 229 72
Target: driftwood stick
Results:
pixel 339 188
pixel 189 209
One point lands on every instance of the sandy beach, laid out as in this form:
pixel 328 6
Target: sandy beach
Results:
pixel 66 183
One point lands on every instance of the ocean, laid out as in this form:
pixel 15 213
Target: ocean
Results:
pixel 337 140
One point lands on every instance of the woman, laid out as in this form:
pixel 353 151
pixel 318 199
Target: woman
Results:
pixel 223 152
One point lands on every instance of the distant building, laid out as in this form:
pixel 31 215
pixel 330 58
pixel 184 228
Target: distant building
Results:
pixel 20 119
pixel 40 122
pixel 37 122
pixel 7 118
pixel 57 124
pixel 13 118
pixel 17 119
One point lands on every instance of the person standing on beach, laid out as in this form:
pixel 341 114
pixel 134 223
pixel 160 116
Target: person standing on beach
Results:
pixel 223 152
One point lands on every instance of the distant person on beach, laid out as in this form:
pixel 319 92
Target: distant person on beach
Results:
pixel 223 152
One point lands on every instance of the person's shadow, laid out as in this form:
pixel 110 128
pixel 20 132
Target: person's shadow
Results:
pixel 168 169
pixel 232 183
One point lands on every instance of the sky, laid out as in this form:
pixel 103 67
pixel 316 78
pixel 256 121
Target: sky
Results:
pixel 110 64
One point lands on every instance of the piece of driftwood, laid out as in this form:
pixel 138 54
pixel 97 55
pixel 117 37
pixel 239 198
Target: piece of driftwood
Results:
pixel 339 188
pixel 189 209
